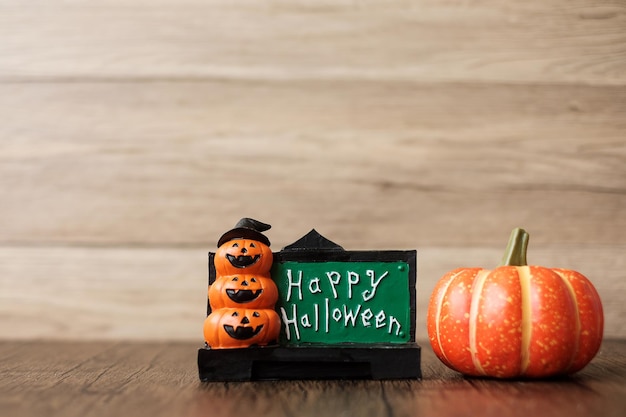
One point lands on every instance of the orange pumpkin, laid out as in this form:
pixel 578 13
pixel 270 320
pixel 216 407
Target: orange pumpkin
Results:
pixel 249 291
pixel 243 256
pixel 516 320
pixel 228 328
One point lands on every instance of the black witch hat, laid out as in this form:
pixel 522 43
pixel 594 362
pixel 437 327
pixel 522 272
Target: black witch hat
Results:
pixel 246 228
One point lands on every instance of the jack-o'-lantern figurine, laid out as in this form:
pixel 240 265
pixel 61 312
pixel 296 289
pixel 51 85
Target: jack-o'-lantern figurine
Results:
pixel 244 250
pixel 247 291
pixel 243 295
pixel 228 328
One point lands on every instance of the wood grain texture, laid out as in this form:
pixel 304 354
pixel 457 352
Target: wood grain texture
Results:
pixel 132 134
pixel 159 379
pixel 554 41
pixel 374 165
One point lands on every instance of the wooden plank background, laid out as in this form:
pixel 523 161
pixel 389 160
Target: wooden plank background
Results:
pixel 133 133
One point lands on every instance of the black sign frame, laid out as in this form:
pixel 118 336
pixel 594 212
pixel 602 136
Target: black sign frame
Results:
pixel 336 361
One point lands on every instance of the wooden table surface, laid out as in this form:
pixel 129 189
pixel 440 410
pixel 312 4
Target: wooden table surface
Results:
pixel 160 379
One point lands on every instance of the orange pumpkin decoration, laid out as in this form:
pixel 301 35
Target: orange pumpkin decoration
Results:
pixel 228 328
pixel 248 291
pixel 516 320
pixel 243 256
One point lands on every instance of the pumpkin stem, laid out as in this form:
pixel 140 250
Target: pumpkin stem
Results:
pixel 515 253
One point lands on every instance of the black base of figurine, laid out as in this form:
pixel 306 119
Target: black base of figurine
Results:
pixel 271 363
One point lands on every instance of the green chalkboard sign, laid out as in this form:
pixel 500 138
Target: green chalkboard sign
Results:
pixel 343 302
pixel 331 296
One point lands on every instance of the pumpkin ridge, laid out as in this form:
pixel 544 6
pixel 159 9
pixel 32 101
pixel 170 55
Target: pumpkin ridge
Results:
pixel 572 293
pixel 444 292
pixel 477 289
pixel 524 275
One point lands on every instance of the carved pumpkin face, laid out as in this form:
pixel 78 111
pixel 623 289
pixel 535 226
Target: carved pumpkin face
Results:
pixel 248 291
pixel 228 328
pixel 243 256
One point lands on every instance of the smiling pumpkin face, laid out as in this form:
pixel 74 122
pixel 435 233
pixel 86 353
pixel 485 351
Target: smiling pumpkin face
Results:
pixel 245 290
pixel 243 256
pixel 229 328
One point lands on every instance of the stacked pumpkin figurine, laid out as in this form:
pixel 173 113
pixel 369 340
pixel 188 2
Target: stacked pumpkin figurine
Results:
pixel 243 296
